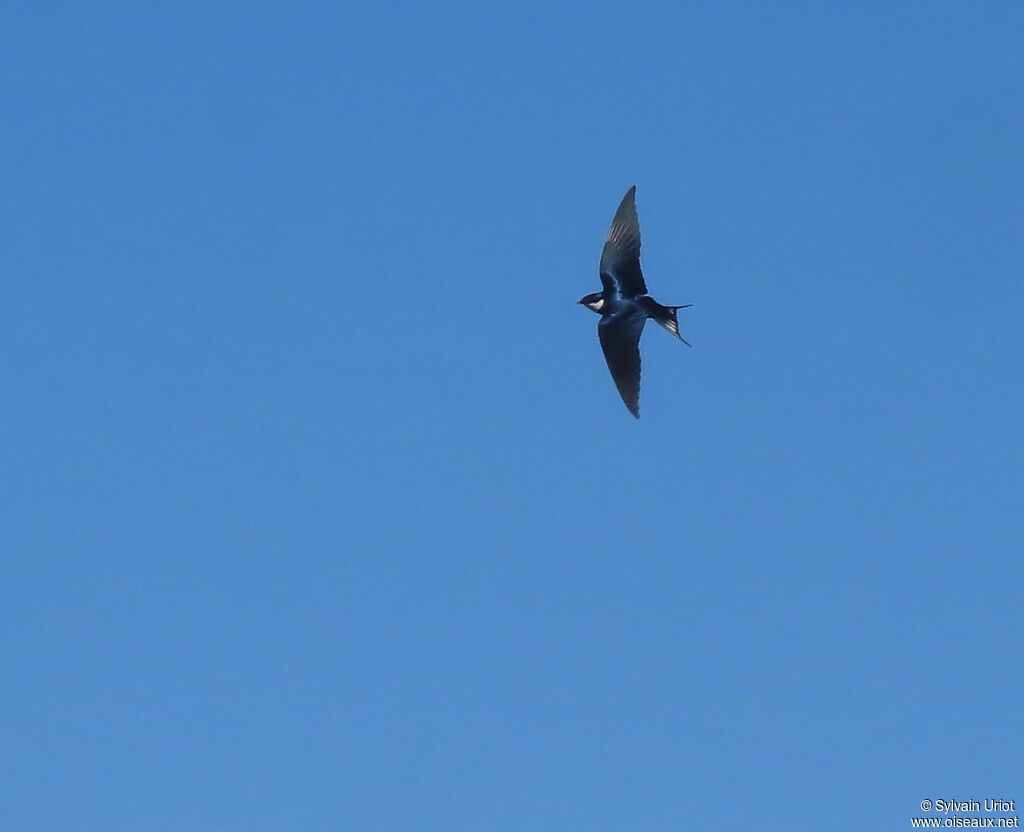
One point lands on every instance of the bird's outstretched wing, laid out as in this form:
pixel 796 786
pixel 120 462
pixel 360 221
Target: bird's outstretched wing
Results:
pixel 620 260
pixel 620 340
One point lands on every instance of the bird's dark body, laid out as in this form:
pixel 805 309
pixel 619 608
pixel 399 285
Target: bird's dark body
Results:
pixel 624 305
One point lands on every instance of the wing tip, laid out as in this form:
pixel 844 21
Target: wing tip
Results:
pixel 633 404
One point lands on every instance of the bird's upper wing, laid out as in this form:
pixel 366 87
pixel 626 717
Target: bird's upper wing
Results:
pixel 620 260
pixel 620 340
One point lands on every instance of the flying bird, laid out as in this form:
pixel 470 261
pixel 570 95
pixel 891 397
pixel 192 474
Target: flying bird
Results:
pixel 624 305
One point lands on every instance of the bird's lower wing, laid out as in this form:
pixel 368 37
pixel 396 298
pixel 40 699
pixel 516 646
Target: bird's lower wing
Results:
pixel 620 340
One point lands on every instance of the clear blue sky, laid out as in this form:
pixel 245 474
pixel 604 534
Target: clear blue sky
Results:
pixel 319 509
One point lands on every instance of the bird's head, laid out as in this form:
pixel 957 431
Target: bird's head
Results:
pixel 593 302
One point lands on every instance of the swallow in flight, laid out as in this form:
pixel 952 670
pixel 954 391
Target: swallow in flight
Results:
pixel 624 305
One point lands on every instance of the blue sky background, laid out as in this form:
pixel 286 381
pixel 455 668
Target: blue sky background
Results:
pixel 319 509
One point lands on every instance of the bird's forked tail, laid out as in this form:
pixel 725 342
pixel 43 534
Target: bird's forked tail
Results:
pixel 666 316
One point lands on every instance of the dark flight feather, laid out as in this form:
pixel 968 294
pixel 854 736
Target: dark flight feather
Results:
pixel 620 340
pixel 620 259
